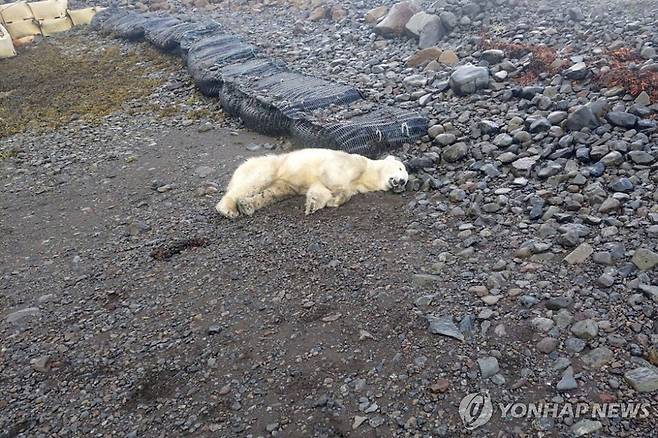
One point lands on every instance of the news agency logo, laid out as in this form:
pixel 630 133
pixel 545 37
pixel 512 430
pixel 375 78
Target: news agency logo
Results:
pixel 475 410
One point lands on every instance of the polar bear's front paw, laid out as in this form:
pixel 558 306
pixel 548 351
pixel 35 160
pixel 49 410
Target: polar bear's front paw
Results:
pixel 225 211
pixel 312 205
pixel 245 207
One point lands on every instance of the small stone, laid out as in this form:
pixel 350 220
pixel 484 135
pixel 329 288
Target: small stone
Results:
pixel 580 254
pixel 585 427
pixel 423 56
pixel 609 205
pixel 488 366
pixel 598 357
pixel 448 57
pixel 574 345
pixel 468 79
pixel 585 329
pixel 443 325
pixel 358 421
pixel 645 259
pixel 622 119
pixel 426 281
pixel 642 379
pixel 567 382
pixel 455 152
pixel 547 345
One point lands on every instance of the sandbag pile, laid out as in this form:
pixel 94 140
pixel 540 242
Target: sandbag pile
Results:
pixel 265 93
pixel 23 21
pixel 6 45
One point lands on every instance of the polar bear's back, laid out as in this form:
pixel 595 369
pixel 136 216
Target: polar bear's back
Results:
pixel 308 166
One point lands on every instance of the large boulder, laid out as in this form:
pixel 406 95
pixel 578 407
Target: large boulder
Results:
pixel 468 79
pixel 416 23
pixel 395 21
pixel 432 33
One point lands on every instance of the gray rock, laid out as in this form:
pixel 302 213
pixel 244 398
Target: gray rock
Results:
pixel 488 366
pixel 583 117
pixel 622 119
pixel 612 158
pixel 468 79
pixel 645 259
pixel 598 357
pixel 419 20
pixel 426 281
pixel 547 345
pixel 574 345
pixel 577 71
pixel 432 33
pixel 580 254
pixel 443 325
pixel 445 139
pixel 455 152
pixel 609 205
pixel 449 20
pixel 567 382
pixel 649 291
pixel 643 379
pixel 526 163
pixel 585 427
pixel 585 329
pixel 641 157
pixel 623 185
pixel 493 56
pixel 647 52
pixel 576 14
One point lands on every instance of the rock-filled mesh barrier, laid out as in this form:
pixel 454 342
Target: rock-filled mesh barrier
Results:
pixel 268 96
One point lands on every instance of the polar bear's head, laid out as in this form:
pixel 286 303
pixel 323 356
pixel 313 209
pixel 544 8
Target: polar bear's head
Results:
pixel 393 174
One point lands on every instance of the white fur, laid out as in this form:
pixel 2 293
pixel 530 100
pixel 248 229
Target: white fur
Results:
pixel 327 178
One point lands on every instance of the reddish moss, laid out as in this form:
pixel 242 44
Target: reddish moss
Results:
pixel 633 80
pixel 542 59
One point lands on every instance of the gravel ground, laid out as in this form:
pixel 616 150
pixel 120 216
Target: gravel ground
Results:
pixel 520 262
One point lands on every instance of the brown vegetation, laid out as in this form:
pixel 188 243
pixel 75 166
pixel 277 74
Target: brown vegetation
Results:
pixel 634 81
pixel 541 61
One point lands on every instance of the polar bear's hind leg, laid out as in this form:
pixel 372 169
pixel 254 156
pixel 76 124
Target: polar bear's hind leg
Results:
pixel 252 177
pixel 275 192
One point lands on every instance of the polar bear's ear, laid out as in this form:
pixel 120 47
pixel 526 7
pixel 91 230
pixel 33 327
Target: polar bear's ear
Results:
pixel 390 158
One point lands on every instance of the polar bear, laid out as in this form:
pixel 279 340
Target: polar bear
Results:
pixel 328 178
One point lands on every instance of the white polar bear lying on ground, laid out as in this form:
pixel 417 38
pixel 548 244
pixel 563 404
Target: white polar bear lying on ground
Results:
pixel 328 178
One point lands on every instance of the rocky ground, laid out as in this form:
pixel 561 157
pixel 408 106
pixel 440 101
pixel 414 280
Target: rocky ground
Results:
pixel 520 262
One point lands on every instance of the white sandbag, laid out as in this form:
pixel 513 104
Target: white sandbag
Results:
pixel 22 29
pixel 55 25
pixel 17 11
pixel 49 9
pixel 81 17
pixel 6 46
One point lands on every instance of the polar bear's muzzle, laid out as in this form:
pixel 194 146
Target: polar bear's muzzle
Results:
pixel 397 184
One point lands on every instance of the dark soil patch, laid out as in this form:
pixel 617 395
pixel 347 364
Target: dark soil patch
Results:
pixel 165 252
